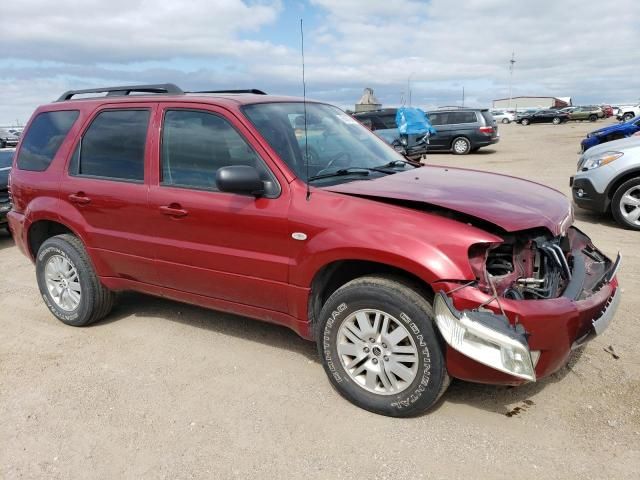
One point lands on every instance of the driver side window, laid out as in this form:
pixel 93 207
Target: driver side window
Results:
pixel 195 144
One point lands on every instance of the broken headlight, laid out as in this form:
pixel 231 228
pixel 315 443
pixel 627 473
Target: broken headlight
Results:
pixel 484 337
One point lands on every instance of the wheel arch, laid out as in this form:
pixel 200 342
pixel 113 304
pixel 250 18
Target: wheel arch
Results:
pixel 335 274
pixel 620 179
pixel 41 230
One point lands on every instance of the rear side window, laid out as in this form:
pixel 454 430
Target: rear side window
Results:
pixel 461 117
pixel 113 146
pixel 43 139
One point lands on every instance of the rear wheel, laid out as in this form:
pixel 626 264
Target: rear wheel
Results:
pixel 379 347
pixel 461 146
pixel 68 284
pixel 627 116
pixel 625 205
pixel 505 120
pixel 593 118
pixel 556 120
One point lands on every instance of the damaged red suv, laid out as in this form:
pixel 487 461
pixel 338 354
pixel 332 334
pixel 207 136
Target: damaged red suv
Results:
pixel 295 214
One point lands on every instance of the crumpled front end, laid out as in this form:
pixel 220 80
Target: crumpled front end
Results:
pixel 535 298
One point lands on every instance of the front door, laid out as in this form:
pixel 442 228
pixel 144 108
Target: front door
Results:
pixel 227 246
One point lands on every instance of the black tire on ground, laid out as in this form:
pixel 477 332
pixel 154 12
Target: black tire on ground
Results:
pixel 557 120
pixel 409 308
pixel 627 116
pixel 525 121
pixel 616 207
pixel 95 302
pixel 593 118
pixel 505 120
pixel 461 146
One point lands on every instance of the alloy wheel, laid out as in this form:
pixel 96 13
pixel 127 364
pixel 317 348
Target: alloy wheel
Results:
pixel 377 352
pixel 630 205
pixel 461 146
pixel 63 283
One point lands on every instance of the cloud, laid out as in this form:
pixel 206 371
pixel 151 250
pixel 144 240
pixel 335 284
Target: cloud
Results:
pixel 571 48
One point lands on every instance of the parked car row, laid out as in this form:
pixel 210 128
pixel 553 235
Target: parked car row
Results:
pixel 8 138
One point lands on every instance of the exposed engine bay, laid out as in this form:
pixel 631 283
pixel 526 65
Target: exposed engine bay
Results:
pixel 533 265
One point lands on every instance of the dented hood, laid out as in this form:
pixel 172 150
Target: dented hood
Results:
pixel 510 203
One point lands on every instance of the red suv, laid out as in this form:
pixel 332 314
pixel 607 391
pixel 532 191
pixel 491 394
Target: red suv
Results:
pixel 404 276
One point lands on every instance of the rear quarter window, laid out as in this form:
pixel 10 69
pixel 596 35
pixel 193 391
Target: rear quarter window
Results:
pixel 43 139
pixel 488 117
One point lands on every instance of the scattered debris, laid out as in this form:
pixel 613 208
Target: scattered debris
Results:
pixel 611 351
pixel 516 410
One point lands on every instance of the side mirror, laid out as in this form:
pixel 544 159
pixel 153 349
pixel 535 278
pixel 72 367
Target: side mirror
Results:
pixel 241 179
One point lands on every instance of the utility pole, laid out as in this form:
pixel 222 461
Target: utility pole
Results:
pixel 409 87
pixel 511 64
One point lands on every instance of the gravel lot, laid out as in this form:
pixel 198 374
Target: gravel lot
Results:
pixel 166 390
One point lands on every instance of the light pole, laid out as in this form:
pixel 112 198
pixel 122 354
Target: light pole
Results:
pixel 409 87
pixel 511 63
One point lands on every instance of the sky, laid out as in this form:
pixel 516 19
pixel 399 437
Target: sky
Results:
pixel 579 48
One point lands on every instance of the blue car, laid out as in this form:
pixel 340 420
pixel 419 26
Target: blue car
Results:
pixel 611 132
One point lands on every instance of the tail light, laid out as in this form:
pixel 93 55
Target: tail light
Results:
pixel 486 130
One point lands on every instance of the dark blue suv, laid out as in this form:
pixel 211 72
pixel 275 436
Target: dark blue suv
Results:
pixel 611 132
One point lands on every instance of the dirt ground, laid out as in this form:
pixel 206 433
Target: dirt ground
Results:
pixel 166 390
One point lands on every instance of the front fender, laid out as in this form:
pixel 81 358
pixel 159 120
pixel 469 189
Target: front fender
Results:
pixel 428 246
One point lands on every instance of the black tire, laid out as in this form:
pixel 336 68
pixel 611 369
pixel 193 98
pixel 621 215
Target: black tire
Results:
pixel 616 203
pixel 525 121
pixel 506 120
pixel 456 147
pixel 403 302
pixel 593 118
pixel 556 120
pixel 627 116
pixel 95 301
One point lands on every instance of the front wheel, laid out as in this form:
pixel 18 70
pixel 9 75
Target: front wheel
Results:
pixel 505 120
pixel 593 118
pixel 68 284
pixel 625 204
pixel 627 116
pixel 556 120
pixel 524 121
pixel 461 146
pixel 379 347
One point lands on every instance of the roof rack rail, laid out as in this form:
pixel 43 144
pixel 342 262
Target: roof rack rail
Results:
pixel 255 91
pixel 163 88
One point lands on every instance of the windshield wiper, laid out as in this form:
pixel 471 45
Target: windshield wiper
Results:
pixel 342 172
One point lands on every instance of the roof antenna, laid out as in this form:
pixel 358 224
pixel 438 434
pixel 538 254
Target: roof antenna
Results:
pixel 304 103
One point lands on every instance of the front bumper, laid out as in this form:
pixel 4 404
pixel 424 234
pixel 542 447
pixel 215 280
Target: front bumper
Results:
pixel 586 196
pixel 550 327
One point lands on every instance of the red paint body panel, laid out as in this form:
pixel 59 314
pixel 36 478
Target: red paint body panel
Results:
pixel 236 253
pixel 511 203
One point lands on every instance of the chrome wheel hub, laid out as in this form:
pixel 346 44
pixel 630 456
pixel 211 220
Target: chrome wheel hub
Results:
pixel 377 352
pixel 630 205
pixel 460 146
pixel 63 284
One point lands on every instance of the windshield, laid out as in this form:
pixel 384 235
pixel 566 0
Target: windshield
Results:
pixel 6 157
pixel 335 141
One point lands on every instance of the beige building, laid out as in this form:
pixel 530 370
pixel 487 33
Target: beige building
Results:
pixel 532 102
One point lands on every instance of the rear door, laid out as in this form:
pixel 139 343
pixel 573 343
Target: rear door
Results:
pixel 107 185
pixel 222 245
